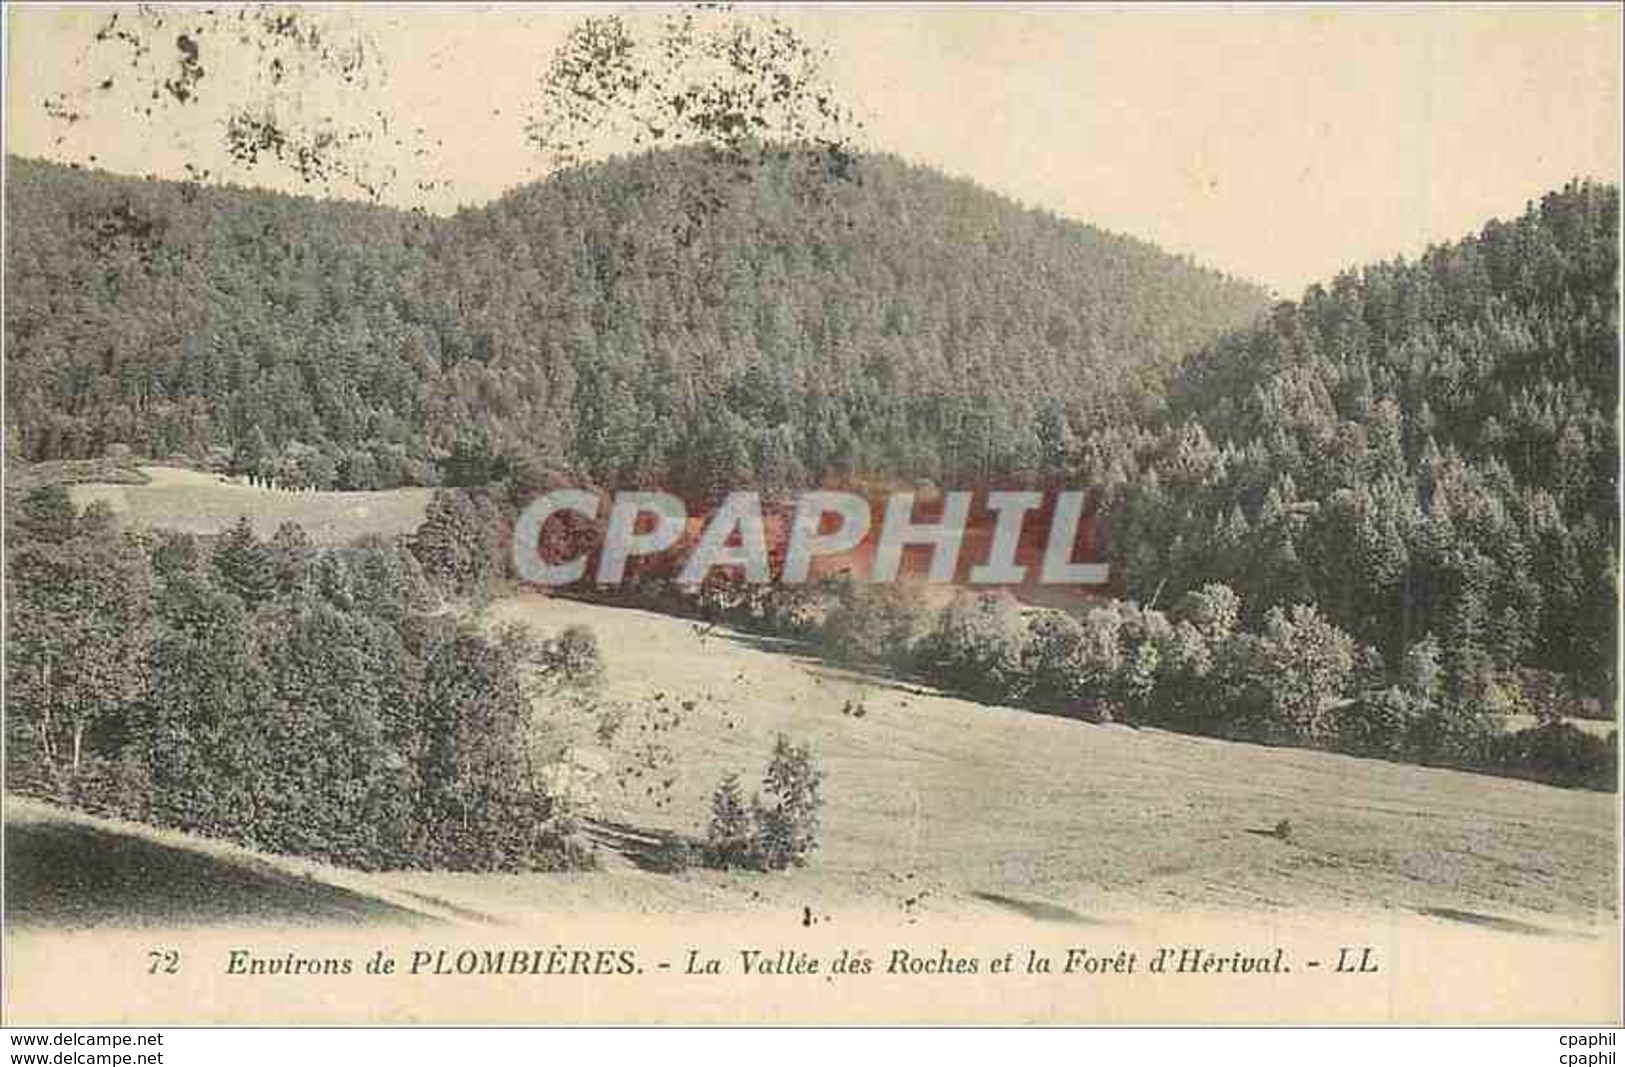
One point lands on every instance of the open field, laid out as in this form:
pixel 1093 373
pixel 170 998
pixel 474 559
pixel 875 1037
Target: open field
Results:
pixel 1595 727
pixel 174 916
pixel 201 503
pixel 935 804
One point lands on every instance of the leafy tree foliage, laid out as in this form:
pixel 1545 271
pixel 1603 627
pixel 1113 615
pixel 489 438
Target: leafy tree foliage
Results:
pixel 977 645
pixel 79 596
pixel 1298 679
pixel 1299 666
pixel 246 565
pixel 1382 514
pixel 457 544
pixel 299 699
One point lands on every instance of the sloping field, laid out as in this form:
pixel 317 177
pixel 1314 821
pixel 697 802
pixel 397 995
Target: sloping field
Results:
pixel 939 805
pixel 200 503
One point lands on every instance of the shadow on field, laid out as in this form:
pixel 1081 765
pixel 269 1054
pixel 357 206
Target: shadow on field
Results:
pixel 657 851
pixel 1036 909
pixel 65 875
pixel 811 656
pixel 881 677
pixel 1491 922
pixel 808 651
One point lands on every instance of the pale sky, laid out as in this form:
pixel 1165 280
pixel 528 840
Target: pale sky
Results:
pixel 1276 143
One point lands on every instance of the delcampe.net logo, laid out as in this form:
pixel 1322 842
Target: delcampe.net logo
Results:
pixel 1015 537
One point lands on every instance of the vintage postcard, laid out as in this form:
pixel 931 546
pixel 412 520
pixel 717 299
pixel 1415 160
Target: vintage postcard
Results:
pixel 534 514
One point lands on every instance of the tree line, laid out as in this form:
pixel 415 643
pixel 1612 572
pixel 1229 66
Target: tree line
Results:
pixel 1294 679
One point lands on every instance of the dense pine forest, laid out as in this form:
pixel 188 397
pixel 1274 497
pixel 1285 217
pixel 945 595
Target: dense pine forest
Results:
pixel 1425 451
pixel 653 319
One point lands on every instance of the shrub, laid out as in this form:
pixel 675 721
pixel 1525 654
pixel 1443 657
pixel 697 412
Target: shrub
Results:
pixel 1450 735
pixel 1378 723
pixel 977 647
pixel 573 661
pixel 1558 753
pixel 1072 662
pixel 871 625
pixel 793 610
pixel 672 855
pixel 730 841
pixel 773 833
pixel 787 824
pixel 1184 692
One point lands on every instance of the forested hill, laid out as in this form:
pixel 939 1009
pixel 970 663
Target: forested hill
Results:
pixel 1426 451
pixel 645 319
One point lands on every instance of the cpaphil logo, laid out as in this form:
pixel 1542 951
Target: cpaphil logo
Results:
pixel 992 538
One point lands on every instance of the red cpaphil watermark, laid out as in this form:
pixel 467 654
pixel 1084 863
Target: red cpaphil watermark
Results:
pixel 998 537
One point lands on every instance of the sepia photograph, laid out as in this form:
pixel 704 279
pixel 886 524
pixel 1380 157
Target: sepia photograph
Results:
pixel 732 514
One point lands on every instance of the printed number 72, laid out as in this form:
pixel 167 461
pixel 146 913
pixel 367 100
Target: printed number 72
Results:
pixel 167 961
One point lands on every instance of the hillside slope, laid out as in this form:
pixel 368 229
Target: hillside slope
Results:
pixel 935 803
pixel 1427 451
